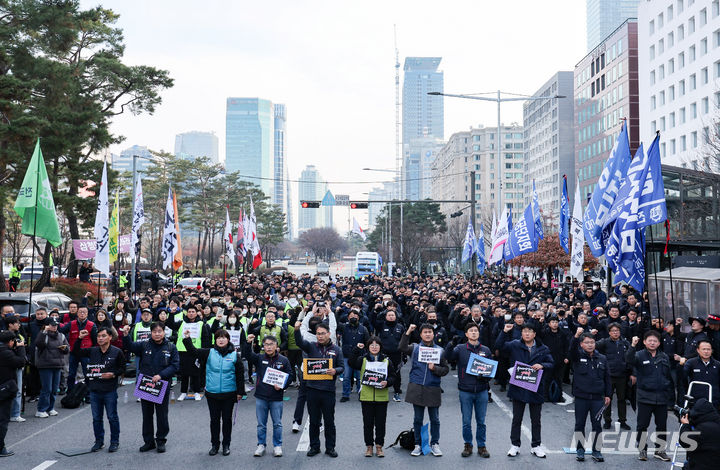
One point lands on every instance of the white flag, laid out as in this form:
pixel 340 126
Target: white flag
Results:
pixel 102 230
pixel 578 237
pixel 356 229
pixel 254 244
pixel 169 240
pixel 500 236
pixel 227 238
pixel 138 220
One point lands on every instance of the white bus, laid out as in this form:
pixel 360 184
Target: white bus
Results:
pixel 367 262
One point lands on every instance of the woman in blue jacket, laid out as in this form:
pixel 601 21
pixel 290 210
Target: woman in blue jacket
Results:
pixel 224 385
pixel 528 351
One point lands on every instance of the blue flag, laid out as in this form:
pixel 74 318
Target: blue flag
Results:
pixel 564 217
pixel 480 251
pixel 469 244
pixel 523 238
pixel 606 192
pixel 633 272
pixel 536 213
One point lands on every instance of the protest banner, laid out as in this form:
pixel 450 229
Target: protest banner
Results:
pixel 148 390
pixel 275 377
pixel 429 355
pixel 524 376
pixel 375 373
pixel 481 366
pixel 193 328
pixel 316 368
pixel 235 337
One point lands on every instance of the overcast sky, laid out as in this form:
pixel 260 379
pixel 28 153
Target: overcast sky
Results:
pixel 332 64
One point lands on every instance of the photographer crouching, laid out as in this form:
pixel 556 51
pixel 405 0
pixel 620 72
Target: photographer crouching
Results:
pixel 701 425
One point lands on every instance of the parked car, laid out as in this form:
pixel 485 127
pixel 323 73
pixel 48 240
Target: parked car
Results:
pixel 34 273
pixel 192 282
pixel 323 269
pixel 21 302
pixel 102 277
pixel 146 273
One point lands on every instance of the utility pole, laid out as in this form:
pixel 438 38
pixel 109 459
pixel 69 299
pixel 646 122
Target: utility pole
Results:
pixel 398 157
pixel 473 266
pixel 132 247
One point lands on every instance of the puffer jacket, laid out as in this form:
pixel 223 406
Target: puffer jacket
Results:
pixel 705 421
pixel 48 352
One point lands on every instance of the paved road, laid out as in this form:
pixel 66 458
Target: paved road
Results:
pixel 35 442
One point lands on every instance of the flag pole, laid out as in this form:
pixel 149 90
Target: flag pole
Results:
pixel 32 260
pixel 655 269
pixel 667 252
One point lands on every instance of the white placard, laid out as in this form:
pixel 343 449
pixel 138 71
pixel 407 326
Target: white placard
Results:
pixel 235 337
pixel 377 366
pixel 193 328
pixel 429 355
pixel 274 377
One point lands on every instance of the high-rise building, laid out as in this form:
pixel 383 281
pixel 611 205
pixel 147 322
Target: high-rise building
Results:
pixel 194 144
pixel 606 92
pixel 423 122
pixel 278 196
pixel 550 143
pixel 249 141
pixel 383 193
pixel 476 150
pixel 604 16
pixel 312 188
pixel 679 67
pixel 124 161
pixel 288 208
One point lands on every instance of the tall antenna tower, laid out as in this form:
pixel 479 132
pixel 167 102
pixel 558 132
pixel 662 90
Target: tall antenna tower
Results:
pixel 397 116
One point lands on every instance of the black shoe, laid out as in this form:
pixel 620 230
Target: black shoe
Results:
pixel 6 453
pixel 97 446
pixel 344 399
pixel 313 451
pixel 625 427
pixel 607 425
pixel 161 447
pixel 503 388
pixel 113 447
pixel 331 453
pixel 147 446
pixel 490 399
pixel 214 450
pixel 226 450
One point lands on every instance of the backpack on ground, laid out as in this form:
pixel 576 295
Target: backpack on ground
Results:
pixel 74 397
pixel 406 439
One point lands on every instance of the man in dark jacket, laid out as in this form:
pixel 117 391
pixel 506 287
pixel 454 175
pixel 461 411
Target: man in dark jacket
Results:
pixel 160 360
pixel 614 347
pixel 105 364
pixel 12 357
pixel 557 342
pixel 527 351
pixel 473 388
pixel 351 332
pixel 321 393
pixel 651 372
pixel 702 424
pixel 591 389
pixel 704 368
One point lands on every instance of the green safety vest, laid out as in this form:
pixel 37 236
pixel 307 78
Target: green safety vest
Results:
pixel 197 342
pixel 371 393
pixel 139 328
pixel 265 331
pixel 122 281
pixel 14 272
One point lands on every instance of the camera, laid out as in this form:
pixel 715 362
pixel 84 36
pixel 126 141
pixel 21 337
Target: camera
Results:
pixel 681 411
pixel 321 303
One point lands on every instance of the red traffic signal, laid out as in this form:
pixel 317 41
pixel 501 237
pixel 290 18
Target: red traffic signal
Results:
pixel 309 204
pixel 358 205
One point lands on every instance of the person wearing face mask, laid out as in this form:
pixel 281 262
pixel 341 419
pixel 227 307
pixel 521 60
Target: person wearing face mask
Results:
pixel 37 325
pixel 225 386
pixel 373 398
pixel 390 333
pixel 351 333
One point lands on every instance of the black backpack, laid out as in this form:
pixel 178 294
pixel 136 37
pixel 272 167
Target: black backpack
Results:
pixel 406 439
pixel 74 397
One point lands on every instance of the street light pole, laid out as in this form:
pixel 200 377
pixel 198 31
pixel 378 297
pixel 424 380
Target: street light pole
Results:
pixel 132 247
pixel 402 218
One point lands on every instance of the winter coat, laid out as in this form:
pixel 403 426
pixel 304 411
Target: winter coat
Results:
pixel 48 354
pixel 517 351
pixel 424 384
pixel 705 421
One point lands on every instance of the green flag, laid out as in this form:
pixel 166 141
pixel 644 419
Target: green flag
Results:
pixel 35 198
pixel 114 229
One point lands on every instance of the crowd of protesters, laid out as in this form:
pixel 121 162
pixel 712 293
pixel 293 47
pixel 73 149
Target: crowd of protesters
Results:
pixel 219 337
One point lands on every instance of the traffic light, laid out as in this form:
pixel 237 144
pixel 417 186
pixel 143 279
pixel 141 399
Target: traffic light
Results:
pixel 456 214
pixel 358 205
pixel 309 204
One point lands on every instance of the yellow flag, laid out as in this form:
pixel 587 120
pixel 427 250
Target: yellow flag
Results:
pixel 114 228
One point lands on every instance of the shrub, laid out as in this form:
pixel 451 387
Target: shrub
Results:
pixel 74 288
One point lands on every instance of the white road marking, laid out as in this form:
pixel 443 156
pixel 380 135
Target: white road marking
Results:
pixel 507 411
pixel 304 443
pixel 45 464
pixel 568 400
pixel 49 427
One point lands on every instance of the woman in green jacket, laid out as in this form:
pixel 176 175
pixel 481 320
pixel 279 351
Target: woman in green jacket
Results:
pixel 376 369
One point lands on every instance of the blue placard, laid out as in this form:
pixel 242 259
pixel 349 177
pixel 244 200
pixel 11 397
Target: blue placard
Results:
pixel 481 366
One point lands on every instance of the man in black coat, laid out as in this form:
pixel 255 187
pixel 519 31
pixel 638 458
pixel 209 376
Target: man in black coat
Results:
pixel 12 357
pixel 704 422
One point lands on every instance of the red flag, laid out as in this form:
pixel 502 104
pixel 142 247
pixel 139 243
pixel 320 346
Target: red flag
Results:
pixel 240 240
pixel 667 236
pixel 257 260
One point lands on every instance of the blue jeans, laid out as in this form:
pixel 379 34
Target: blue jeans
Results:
pixel 50 380
pixel 434 414
pixel 73 367
pixel 469 402
pixel 17 401
pixel 347 378
pixel 108 402
pixel 262 407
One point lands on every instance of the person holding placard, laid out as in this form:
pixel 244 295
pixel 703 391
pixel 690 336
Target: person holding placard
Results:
pixel 105 364
pixel 224 384
pixel 428 366
pixel 275 373
pixel 527 351
pixel 377 374
pixel 320 394
pixel 592 389
pixel 160 360
pixel 200 336
pixel 473 385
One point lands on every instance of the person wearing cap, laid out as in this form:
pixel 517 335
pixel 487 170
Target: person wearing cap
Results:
pixel 692 339
pixel 12 357
pixel 704 368
pixel 51 349
pixel 528 351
